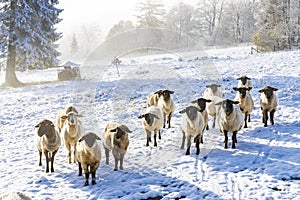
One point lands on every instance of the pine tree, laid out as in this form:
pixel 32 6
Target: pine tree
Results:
pixel 74 45
pixel 151 14
pixel 28 37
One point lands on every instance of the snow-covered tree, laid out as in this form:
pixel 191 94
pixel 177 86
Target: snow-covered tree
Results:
pixel 28 35
pixel 151 14
pixel 120 27
pixel 74 45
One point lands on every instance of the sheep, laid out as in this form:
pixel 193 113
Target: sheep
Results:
pixel 244 81
pixel 213 93
pixel 246 102
pixel 192 125
pixel 152 98
pixel 59 120
pixel 152 121
pixel 14 196
pixel 230 119
pixel 71 132
pixel 167 104
pixel 268 103
pixel 88 155
pixel 47 141
pixel 201 104
pixel 115 139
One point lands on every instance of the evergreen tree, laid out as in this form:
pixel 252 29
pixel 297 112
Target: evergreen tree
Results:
pixel 28 37
pixel 74 45
pixel 120 27
pixel 152 13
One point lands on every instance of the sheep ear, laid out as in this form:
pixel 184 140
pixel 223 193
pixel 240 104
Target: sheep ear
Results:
pixel 235 89
pixel 195 101
pixel 155 116
pixel 218 85
pixel 141 116
pixel 98 138
pixel 171 92
pixel 248 78
pixel 64 117
pixel 38 125
pixel 235 102
pixel 262 90
pixel 208 100
pixel 219 103
pixel 274 89
pixel 125 129
pixel 79 115
pixel 80 139
pixel 249 88
pixel 238 78
pixel 182 111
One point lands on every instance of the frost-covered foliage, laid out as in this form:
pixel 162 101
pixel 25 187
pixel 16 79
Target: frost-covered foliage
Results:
pixel 29 26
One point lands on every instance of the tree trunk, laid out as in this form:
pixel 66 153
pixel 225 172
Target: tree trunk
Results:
pixel 10 75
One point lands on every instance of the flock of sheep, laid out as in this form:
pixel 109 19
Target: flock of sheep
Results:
pixel 229 115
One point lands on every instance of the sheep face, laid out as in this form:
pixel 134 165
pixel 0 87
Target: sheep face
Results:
pixel 268 91
pixel 72 118
pixel 121 131
pixel 202 103
pixel 44 127
pixel 244 79
pixel 227 106
pixel 213 87
pixel 166 94
pixel 90 139
pixel 149 117
pixel 191 112
pixel 242 91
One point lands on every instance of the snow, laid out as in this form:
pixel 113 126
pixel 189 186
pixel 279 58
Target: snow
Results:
pixel 265 164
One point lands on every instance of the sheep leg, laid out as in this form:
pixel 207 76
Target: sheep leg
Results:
pixel 116 163
pixel 207 127
pixel 265 118
pixel 159 136
pixel 93 172
pixel 188 144
pixel 121 161
pixel 79 169
pixel 93 178
pixel 87 174
pixel 47 160
pixel 164 120
pixel 249 120
pixel 272 117
pixel 40 160
pixel 245 120
pixel 74 153
pixel 52 160
pixel 183 140
pixel 233 139
pixel 106 155
pixel 214 122
pixel 198 144
pixel 68 146
pixel 155 143
pixel 226 138
pixel 169 120
pixel 148 135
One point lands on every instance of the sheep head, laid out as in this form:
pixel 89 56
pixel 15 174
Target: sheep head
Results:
pixel 45 127
pixel 268 91
pixel 191 112
pixel 149 118
pixel 227 106
pixel 201 103
pixel 72 118
pixel 121 131
pixel 89 138
pixel 243 79
pixel 213 87
pixel 242 91
pixel 166 94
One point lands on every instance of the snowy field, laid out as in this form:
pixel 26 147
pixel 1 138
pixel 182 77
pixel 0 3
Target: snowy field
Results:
pixel 265 164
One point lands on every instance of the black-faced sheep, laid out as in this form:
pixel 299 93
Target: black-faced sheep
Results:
pixel 152 121
pixel 115 139
pixel 71 132
pixel 268 103
pixel 192 125
pixel 167 104
pixel 47 141
pixel 244 81
pixel 230 119
pixel 152 98
pixel 88 155
pixel 246 102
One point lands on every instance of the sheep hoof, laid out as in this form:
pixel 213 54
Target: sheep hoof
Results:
pixel 115 169
pixel 93 182
pixel 86 183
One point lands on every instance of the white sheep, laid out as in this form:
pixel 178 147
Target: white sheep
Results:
pixel 192 125
pixel 71 132
pixel 214 93
pixel 59 120
pixel 47 141
pixel 152 98
pixel 268 103
pixel 230 119
pixel 167 104
pixel 88 155
pixel 244 81
pixel 152 121
pixel 115 139
pixel 201 104
pixel 14 196
pixel 246 102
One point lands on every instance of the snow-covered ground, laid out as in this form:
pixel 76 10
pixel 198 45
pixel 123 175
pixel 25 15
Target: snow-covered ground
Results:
pixel 265 164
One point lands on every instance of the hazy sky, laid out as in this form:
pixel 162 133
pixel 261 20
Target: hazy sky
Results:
pixel 106 13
